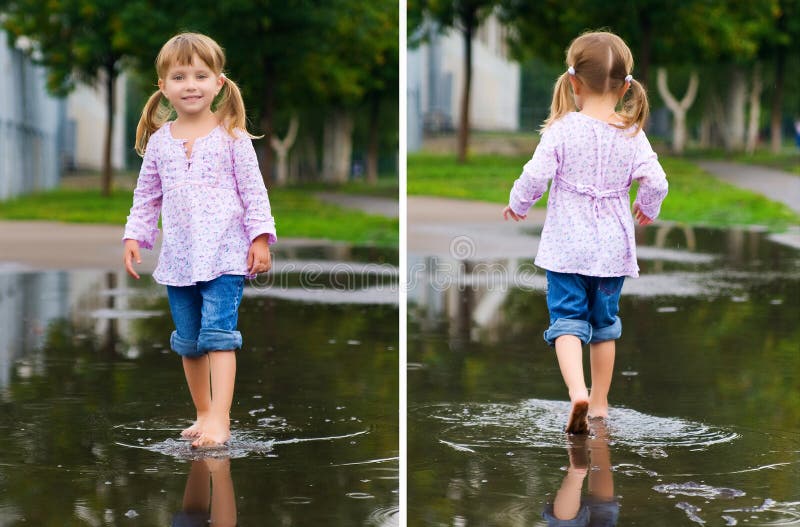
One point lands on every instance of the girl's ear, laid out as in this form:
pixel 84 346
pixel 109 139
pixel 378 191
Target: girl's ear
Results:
pixel 625 88
pixel 575 83
pixel 161 85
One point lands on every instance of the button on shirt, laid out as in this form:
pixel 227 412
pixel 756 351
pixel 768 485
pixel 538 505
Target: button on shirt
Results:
pixel 213 204
pixel 589 226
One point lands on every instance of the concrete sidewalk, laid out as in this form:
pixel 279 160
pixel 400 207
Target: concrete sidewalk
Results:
pixel 469 229
pixel 49 245
pixel 775 184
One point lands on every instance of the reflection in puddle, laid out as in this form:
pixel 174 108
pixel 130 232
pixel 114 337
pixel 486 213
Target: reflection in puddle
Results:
pixel 589 459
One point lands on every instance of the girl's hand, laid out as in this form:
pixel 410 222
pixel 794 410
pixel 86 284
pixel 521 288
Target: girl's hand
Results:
pixel 131 253
pixel 258 257
pixel 516 217
pixel 640 217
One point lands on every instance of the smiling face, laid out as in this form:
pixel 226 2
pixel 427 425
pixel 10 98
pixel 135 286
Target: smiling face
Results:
pixel 190 88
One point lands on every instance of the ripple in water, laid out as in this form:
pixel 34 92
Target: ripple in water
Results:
pixel 384 517
pixel 540 423
pixel 165 439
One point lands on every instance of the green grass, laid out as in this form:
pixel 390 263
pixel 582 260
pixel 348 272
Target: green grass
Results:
pixel 297 214
pixel 695 197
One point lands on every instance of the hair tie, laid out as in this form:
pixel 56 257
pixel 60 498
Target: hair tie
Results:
pixel 628 78
pixel 571 70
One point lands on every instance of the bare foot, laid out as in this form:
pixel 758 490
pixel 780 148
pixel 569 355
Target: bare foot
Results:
pixel 196 429
pixel 578 424
pixel 598 409
pixel 216 432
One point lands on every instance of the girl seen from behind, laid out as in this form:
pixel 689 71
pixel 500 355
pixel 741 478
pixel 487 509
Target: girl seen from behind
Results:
pixel 593 148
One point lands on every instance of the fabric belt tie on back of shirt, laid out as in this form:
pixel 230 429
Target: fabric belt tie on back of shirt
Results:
pixel 593 192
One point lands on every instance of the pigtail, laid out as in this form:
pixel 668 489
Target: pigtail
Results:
pixel 153 116
pixel 635 109
pixel 563 102
pixel 230 109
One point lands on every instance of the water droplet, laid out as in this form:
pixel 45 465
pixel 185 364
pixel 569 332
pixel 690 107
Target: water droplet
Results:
pixel 131 513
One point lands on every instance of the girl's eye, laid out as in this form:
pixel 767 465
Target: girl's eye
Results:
pixel 177 77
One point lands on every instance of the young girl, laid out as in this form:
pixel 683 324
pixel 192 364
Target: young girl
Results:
pixel 201 174
pixel 587 245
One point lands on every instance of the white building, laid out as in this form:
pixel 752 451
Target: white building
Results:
pixel 435 78
pixel 86 122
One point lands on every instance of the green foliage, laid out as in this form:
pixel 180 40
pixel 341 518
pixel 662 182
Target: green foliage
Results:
pixel 298 214
pixel 695 197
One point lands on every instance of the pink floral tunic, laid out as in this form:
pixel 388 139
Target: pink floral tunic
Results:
pixel 213 204
pixel 589 227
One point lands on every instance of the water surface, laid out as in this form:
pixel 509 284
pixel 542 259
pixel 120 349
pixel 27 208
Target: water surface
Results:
pixel 705 424
pixel 93 401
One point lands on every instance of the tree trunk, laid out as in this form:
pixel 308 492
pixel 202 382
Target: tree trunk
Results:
pixel 469 21
pixel 374 138
pixel 737 100
pixel 776 114
pixel 282 148
pixel 337 146
pixel 755 110
pixel 646 49
pixel 678 108
pixel 106 171
pixel 267 122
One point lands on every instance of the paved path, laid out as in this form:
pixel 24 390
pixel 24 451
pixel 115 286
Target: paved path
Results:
pixel 49 245
pixel 775 184
pixel 475 229
pixel 370 204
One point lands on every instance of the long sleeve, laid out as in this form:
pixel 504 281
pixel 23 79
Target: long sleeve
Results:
pixel 542 167
pixel 652 180
pixel 142 223
pixel 258 215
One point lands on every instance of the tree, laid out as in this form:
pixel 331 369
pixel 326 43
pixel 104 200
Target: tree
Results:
pixel 76 42
pixel 464 16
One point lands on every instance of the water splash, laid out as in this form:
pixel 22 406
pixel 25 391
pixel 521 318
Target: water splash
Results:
pixel 699 490
pixel 161 438
pixel 540 424
pixel 691 511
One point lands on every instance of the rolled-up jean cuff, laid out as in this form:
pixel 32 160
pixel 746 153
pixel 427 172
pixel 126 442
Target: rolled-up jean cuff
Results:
pixel 568 326
pixel 612 332
pixel 218 340
pixel 183 347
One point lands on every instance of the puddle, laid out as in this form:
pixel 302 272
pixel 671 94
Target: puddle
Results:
pixel 94 401
pixel 700 430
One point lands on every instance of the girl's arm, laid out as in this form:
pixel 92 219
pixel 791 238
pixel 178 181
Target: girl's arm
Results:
pixel 651 177
pixel 542 167
pixel 258 218
pixel 142 224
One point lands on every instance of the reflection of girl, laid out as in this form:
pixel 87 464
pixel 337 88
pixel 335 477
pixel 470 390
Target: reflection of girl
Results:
pixel 599 508
pixel 587 246
pixel 199 497
pixel 201 174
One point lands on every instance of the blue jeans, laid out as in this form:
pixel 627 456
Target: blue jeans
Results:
pixel 205 316
pixel 583 306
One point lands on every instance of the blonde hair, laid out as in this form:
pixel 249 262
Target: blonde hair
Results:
pixel 601 61
pixel 181 49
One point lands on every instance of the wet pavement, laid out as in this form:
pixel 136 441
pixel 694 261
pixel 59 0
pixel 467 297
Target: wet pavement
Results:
pixel 93 401
pixel 705 417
